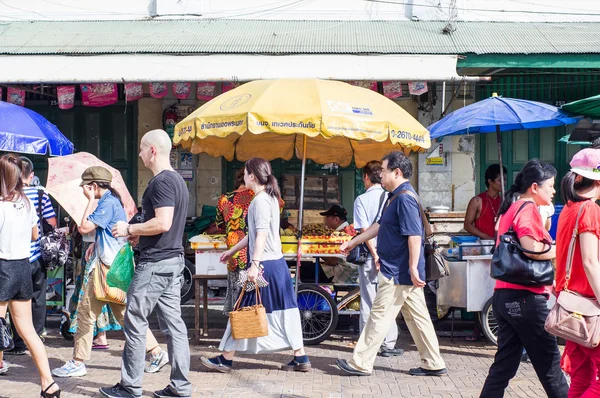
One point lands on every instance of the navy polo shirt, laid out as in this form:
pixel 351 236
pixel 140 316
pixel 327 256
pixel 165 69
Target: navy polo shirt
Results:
pixel 399 221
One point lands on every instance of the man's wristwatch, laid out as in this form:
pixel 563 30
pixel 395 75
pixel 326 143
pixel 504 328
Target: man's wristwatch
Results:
pixel 128 233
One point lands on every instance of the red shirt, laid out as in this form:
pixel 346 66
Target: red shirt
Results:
pixel 527 223
pixel 589 222
pixel 486 222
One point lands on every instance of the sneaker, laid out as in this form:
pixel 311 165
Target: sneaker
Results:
pixel 3 367
pixel 390 352
pixel 157 362
pixel 16 351
pixel 167 393
pixel 296 366
pixel 70 369
pixel 116 391
pixel 215 364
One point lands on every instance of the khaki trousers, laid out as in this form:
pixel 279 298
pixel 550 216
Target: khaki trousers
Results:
pixel 389 301
pixel 87 312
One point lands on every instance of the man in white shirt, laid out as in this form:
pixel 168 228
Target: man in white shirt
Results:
pixel 367 210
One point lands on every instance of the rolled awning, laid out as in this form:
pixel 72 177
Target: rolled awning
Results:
pixel 118 68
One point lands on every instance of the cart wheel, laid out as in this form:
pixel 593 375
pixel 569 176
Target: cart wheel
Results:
pixel 489 326
pixel 318 313
pixel 187 285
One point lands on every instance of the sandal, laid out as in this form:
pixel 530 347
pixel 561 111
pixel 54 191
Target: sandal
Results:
pixel 46 394
pixel 96 346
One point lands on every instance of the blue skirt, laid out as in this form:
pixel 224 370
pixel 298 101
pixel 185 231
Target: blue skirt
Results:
pixel 279 300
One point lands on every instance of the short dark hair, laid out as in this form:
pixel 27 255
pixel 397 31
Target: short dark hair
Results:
pixel 373 171
pixel 26 166
pixel 492 172
pixel 239 179
pixel 397 160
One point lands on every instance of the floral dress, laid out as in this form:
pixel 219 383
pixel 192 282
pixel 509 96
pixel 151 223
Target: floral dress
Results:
pixel 232 209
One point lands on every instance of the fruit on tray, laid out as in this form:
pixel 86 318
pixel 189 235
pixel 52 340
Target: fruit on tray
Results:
pixel 316 229
pixel 287 232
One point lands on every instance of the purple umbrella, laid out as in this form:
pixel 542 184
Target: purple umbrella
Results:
pixel 25 131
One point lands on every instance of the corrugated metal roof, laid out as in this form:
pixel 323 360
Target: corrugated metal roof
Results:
pixel 296 37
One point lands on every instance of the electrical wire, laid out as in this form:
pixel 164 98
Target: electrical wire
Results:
pixel 400 3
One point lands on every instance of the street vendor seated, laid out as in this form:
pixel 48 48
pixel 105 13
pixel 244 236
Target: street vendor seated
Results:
pixel 338 270
pixel 482 211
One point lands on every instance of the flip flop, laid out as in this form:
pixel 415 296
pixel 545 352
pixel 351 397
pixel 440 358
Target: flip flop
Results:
pixel 100 346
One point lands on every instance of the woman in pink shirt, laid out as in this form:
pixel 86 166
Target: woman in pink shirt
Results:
pixel 522 310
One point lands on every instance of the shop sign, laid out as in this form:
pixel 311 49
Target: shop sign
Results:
pixel 15 96
pixel 392 90
pixel 182 90
pixel 99 94
pixel 66 96
pixel 187 175
pixel 417 88
pixel 158 90
pixel 133 91
pixel 436 157
pixel 205 91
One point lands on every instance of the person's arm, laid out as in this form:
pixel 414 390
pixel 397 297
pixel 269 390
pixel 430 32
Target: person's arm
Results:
pixel 86 226
pixel 369 234
pixel 473 208
pixel 414 252
pixel 589 255
pixel 529 243
pixel 161 223
pixel 48 212
pixel 35 233
pixel 227 255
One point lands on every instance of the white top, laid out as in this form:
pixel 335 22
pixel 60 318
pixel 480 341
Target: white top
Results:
pixel 263 215
pixel 16 221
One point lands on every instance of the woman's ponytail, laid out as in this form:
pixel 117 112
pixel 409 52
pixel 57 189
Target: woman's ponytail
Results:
pixel 272 187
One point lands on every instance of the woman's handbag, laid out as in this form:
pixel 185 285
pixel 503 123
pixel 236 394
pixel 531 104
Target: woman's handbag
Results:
pixel 510 264
pixel 102 291
pixel 575 317
pixel 248 322
pixel 6 341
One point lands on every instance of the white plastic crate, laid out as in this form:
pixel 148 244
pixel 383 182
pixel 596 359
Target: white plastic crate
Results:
pixel 208 263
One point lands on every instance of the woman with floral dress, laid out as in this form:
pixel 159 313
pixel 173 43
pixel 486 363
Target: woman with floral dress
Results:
pixel 232 209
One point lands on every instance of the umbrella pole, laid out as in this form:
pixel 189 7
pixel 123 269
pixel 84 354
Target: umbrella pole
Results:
pixel 499 142
pixel 300 213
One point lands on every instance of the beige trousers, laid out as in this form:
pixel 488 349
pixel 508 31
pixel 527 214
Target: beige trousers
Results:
pixel 389 301
pixel 87 312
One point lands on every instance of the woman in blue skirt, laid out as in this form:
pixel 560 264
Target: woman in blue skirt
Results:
pixel 265 256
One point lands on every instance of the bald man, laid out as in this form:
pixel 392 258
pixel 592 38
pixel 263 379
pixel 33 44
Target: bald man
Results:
pixel 158 275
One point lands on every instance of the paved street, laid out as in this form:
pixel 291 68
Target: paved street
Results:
pixel 258 376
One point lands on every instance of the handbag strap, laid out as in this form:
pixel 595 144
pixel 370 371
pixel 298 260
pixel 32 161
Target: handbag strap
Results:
pixel 517 243
pixel 256 292
pixel 39 209
pixel 571 252
pixel 426 225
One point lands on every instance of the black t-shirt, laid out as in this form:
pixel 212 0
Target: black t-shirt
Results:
pixel 167 189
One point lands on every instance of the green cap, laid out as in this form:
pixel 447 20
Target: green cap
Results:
pixel 96 174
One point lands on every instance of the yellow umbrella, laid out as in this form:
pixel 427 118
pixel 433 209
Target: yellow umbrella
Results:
pixel 323 120
pixel 276 118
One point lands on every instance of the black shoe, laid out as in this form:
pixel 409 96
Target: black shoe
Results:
pixel 296 366
pixel 116 391
pixel 391 352
pixel 16 351
pixel 343 365
pixel 168 393
pixel 427 372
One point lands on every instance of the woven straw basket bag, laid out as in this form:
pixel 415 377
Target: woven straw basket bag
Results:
pixel 248 322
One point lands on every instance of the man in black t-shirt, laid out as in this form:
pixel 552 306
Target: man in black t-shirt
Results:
pixel 158 275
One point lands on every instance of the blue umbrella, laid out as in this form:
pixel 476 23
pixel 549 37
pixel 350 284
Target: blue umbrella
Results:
pixel 25 131
pixel 497 114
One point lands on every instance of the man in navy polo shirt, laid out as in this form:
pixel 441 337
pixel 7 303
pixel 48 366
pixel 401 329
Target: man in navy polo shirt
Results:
pixel 401 279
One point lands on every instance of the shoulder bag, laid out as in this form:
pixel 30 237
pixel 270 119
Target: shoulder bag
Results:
pixel 6 341
pixel 575 317
pixel 435 266
pixel 360 253
pixel 510 264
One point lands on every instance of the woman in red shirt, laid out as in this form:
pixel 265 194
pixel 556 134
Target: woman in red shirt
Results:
pixel 581 188
pixel 521 311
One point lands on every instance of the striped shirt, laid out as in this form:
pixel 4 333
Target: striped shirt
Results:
pixel 35 251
